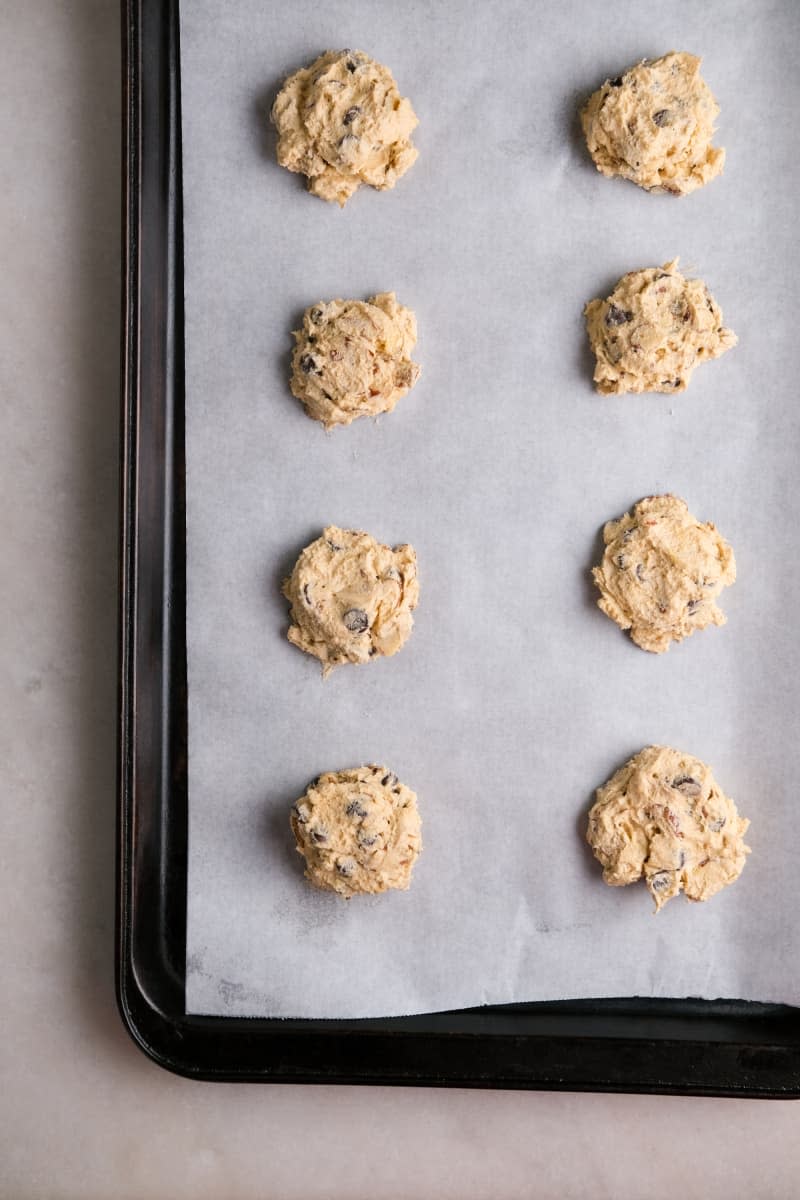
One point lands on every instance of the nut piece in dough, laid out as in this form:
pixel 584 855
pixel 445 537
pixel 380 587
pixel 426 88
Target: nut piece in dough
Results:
pixel 653 330
pixel 654 125
pixel 353 358
pixel 664 816
pixel 351 597
pixel 358 830
pixel 662 571
pixel 342 122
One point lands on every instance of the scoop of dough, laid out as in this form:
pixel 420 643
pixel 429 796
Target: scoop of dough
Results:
pixel 342 122
pixel 664 816
pixel 654 125
pixel 661 572
pixel 358 830
pixel 353 359
pixel 351 597
pixel 653 330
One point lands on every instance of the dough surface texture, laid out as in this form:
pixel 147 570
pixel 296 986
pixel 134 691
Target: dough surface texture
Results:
pixel 351 597
pixel 353 358
pixel 342 122
pixel 662 571
pixel 663 816
pixel 654 125
pixel 653 330
pixel 358 830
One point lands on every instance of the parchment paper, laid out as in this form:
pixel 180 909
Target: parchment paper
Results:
pixel 515 696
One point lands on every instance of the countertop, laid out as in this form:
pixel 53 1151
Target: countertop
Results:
pixel 83 1113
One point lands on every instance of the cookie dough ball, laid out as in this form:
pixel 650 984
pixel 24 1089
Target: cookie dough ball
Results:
pixel 353 358
pixel 342 122
pixel 663 816
pixel 351 597
pixel 661 572
pixel 654 125
pixel 653 330
pixel 358 830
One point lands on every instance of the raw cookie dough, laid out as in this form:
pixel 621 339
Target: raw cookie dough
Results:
pixel 358 830
pixel 654 125
pixel 353 358
pixel 653 330
pixel 661 572
pixel 351 597
pixel 664 816
pixel 342 122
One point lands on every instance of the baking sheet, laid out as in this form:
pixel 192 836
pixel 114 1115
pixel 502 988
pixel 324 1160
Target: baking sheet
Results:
pixel 515 696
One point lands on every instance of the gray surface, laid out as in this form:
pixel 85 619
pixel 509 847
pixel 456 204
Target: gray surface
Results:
pixel 82 1113
pixel 515 696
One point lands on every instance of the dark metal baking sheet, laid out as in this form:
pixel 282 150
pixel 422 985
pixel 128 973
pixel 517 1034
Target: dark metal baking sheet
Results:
pixel 679 1046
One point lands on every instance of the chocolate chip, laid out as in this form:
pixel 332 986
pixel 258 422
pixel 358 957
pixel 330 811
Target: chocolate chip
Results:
pixel 305 593
pixel 406 375
pixel 355 809
pixel 628 534
pixel 716 825
pixel 318 836
pixel 676 382
pixel 307 363
pixel 389 780
pixel 660 881
pixel 346 866
pixel 693 606
pixel 351 66
pixel 300 812
pixel 621 561
pixel 315 315
pixel 640 572
pixel 351 115
pixel 688 785
pixel 334 545
pixel 367 839
pixel 617 316
pixel 615 82
pixel 661 118
pixel 356 620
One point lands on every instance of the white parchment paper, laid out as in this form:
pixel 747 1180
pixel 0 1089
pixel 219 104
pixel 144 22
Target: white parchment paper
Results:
pixel 515 696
